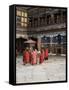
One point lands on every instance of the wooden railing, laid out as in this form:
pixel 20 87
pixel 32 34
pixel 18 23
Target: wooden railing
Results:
pixel 43 28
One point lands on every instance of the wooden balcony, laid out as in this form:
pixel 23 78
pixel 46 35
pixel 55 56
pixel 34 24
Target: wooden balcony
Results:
pixel 48 27
pixel 41 29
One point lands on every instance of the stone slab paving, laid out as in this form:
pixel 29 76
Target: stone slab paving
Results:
pixel 54 69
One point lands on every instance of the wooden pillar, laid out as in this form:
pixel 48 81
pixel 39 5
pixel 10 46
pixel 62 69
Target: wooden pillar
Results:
pixel 39 43
pixel 51 38
pixel 61 17
pixel 62 49
pixel 38 21
pixel 46 20
pixel 32 22
pixel 52 18
pixel 58 18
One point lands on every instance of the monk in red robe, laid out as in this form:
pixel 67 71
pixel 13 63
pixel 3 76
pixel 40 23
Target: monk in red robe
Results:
pixel 42 56
pixel 26 56
pixel 46 54
pixel 34 57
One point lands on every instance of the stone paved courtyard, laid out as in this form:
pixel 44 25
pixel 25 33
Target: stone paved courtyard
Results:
pixel 54 69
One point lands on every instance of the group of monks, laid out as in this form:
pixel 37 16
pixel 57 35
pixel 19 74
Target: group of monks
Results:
pixel 33 56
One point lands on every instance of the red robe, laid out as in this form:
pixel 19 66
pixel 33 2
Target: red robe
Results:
pixel 33 57
pixel 26 57
pixel 42 57
pixel 46 53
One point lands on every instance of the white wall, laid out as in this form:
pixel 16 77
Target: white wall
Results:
pixel 4 44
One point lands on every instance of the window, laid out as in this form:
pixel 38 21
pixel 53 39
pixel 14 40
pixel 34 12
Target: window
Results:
pixel 64 16
pixel 18 19
pixel 35 22
pixel 21 18
pixel 25 20
pixel 55 18
pixel 24 24
pixel 45 39
pixel 41 21
pixel 30 21
pixel 25 14
pixel 59 18
pixel 48 19
pixel 18 13
pixel 55 39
